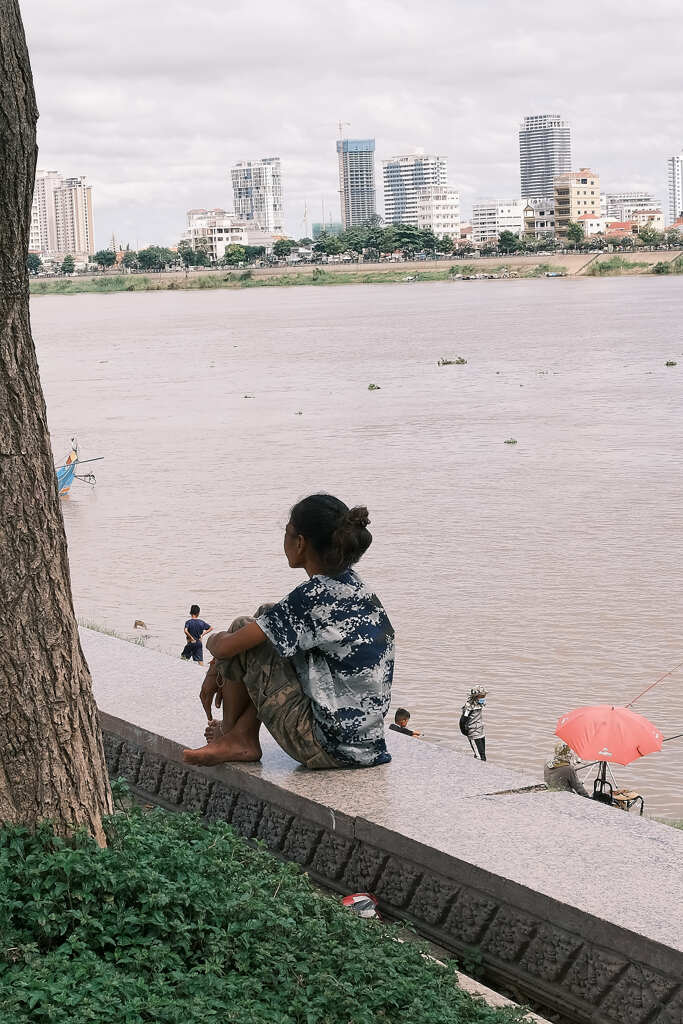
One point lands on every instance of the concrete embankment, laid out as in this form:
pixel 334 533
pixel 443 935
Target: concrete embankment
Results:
pixel 567 903
pixel 566 264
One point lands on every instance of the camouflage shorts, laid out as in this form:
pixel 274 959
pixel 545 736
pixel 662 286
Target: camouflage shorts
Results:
pixel 282 706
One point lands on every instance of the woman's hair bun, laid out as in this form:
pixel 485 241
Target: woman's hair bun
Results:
pixel 337 533
pixel 358 516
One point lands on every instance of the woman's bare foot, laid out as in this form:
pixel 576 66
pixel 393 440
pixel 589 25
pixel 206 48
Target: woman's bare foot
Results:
pixel 213 731
pixel 226 748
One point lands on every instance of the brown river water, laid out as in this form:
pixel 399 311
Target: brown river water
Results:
pixel 548 570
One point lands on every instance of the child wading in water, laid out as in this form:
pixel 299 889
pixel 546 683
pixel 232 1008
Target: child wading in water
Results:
pixel 315 668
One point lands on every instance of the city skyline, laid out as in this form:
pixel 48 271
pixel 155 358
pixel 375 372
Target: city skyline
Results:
pixel 152 143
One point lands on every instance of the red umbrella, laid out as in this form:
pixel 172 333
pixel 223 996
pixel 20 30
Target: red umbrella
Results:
pixel 607 733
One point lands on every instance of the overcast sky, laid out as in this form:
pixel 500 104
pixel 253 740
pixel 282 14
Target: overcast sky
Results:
pixel 154 100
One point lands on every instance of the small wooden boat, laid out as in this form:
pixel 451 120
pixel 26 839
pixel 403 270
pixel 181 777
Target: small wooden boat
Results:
pixel 66 473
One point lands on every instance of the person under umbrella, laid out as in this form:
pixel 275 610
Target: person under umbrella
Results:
pixel 609 733
pixel 560 771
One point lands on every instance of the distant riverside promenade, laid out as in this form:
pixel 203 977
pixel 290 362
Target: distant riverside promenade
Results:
pixel 532 266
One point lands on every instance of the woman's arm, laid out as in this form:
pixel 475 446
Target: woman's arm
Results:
pixel 576 783
pixel 225 645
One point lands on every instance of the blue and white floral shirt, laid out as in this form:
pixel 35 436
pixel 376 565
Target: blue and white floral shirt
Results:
pixel 341 643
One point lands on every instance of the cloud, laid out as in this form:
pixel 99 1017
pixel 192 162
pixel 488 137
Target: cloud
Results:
pixel 154 102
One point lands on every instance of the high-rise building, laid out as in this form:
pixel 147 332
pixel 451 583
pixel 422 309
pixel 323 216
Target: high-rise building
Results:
pixel 357 197
pixel 675 169
pixel 257 193
pixel 43 235
pixel 576 193
pixel 404 177
pixel 491 216
pixel 61 216
pixel 438 209
pixel 73 213
pixel 545 150
pixel 622 205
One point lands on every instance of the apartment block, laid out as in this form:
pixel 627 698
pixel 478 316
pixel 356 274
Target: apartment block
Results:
pixel 622 205
pixel 539 218
pixel 404 178
pixel 438 209
pixel 62 216
pixel 73 213
pixel 43 234
pixel 492 216
pixel 257 193
pixel 214 230
pixel 576 193
pixel 675 174
pixel 357 195
pixel 648 218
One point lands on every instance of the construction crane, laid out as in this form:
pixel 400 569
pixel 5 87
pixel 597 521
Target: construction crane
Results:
pixel 341 125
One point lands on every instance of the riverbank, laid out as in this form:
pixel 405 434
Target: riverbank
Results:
pixel 524 267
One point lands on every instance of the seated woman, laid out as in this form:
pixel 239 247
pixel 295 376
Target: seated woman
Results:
pixel 315 668
pixel 560 771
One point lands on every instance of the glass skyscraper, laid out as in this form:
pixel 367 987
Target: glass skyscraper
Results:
pixel 545 150
pixel 356 180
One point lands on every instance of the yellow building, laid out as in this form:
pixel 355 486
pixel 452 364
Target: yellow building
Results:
pixel 576 194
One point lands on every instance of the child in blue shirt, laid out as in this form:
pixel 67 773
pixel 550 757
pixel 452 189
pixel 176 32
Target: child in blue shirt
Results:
pixel 195 629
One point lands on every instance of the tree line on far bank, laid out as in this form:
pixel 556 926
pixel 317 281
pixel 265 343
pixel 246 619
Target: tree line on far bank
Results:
pixel 370 241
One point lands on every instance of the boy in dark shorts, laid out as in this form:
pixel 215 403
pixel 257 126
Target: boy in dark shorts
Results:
pixel 195 629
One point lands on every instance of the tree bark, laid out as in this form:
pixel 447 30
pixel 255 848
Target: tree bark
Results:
pixel 51 757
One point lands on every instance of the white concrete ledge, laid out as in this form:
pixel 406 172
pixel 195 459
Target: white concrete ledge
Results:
pixel 574 905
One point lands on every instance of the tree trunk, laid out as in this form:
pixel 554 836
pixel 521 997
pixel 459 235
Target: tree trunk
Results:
pixel 51 757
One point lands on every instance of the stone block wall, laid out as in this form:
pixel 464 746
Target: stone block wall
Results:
pixel 560 958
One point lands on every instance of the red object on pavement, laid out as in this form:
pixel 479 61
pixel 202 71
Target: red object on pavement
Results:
pixel 603 732
pixel 364 904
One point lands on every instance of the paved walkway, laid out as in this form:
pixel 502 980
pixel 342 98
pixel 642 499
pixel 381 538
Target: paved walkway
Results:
pixel 617 867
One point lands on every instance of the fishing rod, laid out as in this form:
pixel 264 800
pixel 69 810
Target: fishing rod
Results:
pixel 670 672
pixel 81 462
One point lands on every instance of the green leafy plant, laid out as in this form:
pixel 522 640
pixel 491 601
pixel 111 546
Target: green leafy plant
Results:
pixel 671 362
pixel 472 961
pixel 176 922
pixel 458 361
pixel 374 387
pixel 510 440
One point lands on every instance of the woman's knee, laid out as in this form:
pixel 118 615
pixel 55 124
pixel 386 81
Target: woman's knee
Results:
pixel 239 623
pixel 263 608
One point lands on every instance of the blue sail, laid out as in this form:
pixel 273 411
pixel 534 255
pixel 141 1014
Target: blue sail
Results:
pixel 65 476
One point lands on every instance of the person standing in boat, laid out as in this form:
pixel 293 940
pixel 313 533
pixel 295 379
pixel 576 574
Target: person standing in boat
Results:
pixel 316 667
pixel 472 721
